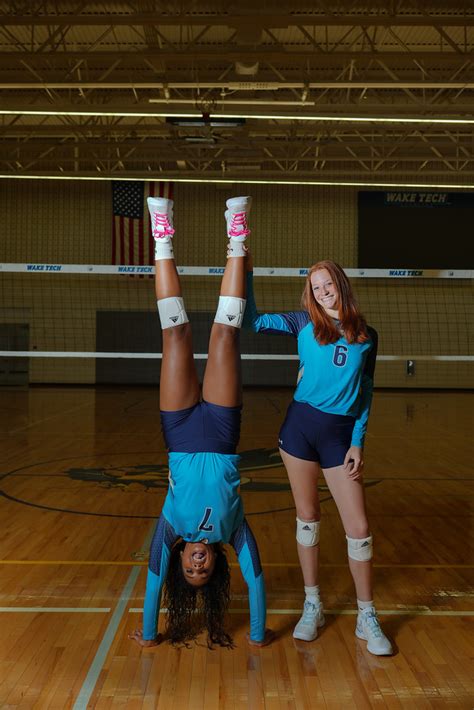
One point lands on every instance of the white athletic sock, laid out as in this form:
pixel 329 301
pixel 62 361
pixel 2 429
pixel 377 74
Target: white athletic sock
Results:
pixel 236 248
pixel 364 605
pixel 163 249
pixel 312 594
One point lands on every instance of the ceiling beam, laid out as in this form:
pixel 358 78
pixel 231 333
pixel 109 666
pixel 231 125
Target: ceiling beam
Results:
pixel 262 19
pixel 349 174
pixel 169 144
pixel 231 53
pixel 396 83
pixel 354 156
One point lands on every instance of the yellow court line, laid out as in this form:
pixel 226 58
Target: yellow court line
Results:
pixel 379 566
pixel 422 611
pixel 412 611
pixel 54 610
pixel 104 563
pixel 144 563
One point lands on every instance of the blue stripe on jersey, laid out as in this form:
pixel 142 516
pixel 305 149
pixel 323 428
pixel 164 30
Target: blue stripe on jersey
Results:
pixel 164 536
pixel 290 323
pixel 151 606
pixel 160 548
pixel 245 546
pixel 244 536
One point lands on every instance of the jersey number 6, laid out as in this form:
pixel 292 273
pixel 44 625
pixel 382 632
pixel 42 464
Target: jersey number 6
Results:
pixel 340 355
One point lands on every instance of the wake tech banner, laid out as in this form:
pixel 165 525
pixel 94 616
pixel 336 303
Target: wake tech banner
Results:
pixel 410 229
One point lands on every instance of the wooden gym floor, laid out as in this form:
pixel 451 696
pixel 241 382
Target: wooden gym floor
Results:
pixel 83 479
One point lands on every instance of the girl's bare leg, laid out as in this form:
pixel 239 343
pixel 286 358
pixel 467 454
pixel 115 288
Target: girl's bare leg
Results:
pixel 349 497
pixel 179 385
pixel 303 477
pixel 348 494
pixel 223 378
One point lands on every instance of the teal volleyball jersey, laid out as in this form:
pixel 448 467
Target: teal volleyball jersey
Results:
pixel 336 378
pixel 203 500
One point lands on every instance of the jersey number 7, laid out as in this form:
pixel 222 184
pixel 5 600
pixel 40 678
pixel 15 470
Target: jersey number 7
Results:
pixel 203 524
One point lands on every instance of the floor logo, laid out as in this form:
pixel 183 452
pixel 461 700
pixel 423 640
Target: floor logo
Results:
pixel 156 475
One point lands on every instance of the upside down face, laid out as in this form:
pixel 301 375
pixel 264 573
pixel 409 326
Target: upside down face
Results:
pixel 197 561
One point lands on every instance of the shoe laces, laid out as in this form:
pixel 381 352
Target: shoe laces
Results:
pixel 310 612
pixel 161 226
pixel 238 225
pixel 370 618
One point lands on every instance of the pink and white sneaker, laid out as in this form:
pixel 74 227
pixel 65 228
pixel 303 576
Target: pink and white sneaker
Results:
pixel 236 218
pixel 161 214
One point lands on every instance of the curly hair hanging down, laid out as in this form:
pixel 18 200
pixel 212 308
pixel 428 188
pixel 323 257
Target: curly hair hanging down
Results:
pixel 191 609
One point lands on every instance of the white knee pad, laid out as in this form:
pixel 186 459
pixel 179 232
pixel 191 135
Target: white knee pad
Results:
pixel 172 312
pixel 359 549
pixel 307 534
pixel 230 311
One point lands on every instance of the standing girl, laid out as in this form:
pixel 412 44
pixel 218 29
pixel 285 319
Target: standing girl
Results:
pixel 324 430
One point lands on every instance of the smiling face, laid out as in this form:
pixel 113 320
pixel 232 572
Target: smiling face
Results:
pixel 325 292
pixel 197 562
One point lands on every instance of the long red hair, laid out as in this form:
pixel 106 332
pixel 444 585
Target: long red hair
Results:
pixel 351 319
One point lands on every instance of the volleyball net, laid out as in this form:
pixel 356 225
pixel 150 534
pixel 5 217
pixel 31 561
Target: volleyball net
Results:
pixel 80 323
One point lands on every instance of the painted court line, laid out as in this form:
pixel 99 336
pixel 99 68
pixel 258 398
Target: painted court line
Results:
pixel 93 563
pixel 47 419
pixel 56 609
pixel 96 666
pixel 144 563
pixel 423 611
pixel 417 611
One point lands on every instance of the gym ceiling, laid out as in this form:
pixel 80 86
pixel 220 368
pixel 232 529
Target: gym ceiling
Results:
pixel 323 91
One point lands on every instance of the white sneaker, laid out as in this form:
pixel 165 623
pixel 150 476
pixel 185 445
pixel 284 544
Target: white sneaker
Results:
pixel 236 218
pixel 368 629
pixel 312 618
pixel 161 214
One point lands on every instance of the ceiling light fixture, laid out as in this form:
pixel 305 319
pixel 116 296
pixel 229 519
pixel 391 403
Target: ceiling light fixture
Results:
pixel 349 119
pixel 256 181
pixel 247 116
pixel 205 120
pixel 236 102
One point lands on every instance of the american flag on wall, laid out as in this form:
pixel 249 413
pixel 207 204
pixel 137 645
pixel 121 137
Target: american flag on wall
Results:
pixel 132 242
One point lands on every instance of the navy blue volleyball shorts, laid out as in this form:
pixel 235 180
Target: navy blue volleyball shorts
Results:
pixel 312 435
pixel 203 427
